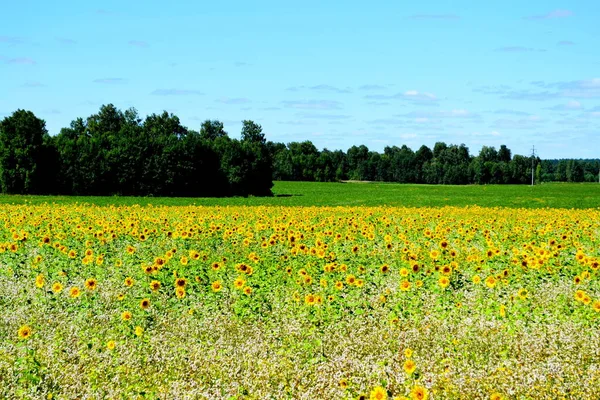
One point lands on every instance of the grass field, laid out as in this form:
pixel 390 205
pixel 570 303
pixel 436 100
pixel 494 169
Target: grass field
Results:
pixel 370 194
pixel 287 302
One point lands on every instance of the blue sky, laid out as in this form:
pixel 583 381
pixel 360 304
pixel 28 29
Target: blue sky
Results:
pixel 379 73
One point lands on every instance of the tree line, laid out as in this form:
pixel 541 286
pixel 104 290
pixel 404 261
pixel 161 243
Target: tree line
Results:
pixel 115 152
pixel 444 164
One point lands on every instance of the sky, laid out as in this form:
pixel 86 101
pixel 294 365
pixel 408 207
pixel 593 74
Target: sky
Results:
pixel 379 73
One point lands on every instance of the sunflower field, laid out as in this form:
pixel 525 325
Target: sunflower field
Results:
pixel 187 302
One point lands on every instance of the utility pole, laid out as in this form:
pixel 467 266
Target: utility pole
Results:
pixel 532 162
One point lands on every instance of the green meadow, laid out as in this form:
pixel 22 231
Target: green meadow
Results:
pixel 553 195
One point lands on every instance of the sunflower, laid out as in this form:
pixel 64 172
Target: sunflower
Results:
pixel 419 393
pixel 408 352
pixel 248 290
pixel 217 286
pixel 180 292
pixel 24 332
pixel 309 299
pixel 496 396
pixel 350 279
pixel 139 331
pixel 57 287
pixel 522 293
pixel 155 285
pixel 145 304
pixel 385 268
pixel 129 281
pixel 409 366
pixel 596 306
pixel 378 393
pixel 444 282
pixel 404 285
pixel 40 281
pixel 111 345
pixel 91 284
pixel 343 383
pixel 339 285
pixel 180 282
pixel 476 279
pixel 404 272
pixel 126 316
pixel 490 282
pixel 74 292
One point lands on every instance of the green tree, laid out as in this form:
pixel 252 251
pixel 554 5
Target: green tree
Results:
pixel 24 149
pixel 211 130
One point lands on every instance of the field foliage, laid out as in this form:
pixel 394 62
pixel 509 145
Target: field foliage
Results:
pixel 298 302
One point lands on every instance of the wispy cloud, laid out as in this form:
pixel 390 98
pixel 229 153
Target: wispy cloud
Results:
pixel 32 85
pixel 492 89
pixel 530 95
pixel 12 40
pixel 323 116
pixel 411 96
pixel 572 105
pixel 531 122
pixel 176 92
pixel 313 104
pixel 138 43
pixel 456 113
pixel 517 49
pixel 551 15
pixel 511 112
pixel 378 103
pixel 565 43
pixel 435 16
pixel 105 12
pixel 387 121
pixel 21 60
pixel 232 101
pixel 296 122
pixel 372 87
pixel 320 88
pixel 111 81
pixel 66 40
pixel 585 88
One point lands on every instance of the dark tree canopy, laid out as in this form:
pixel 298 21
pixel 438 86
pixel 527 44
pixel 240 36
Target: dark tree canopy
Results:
pixel 118 152
pixel 25 154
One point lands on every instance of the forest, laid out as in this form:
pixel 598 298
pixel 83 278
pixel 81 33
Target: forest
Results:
pixel 115 152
